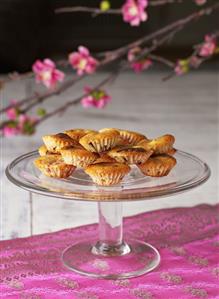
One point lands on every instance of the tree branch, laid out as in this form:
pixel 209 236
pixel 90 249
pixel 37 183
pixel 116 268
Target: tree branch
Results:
pixel 194 55
pixel 172 26
pixel 156 44
pixel 43 96
pixel 97 11
pixel 63 108
pixel 16 76
pixel 162 60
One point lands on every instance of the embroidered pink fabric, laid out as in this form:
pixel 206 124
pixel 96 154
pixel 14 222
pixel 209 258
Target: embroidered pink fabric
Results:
pixel 187 238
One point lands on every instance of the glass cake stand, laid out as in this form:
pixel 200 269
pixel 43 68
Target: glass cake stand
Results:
pixel 110 256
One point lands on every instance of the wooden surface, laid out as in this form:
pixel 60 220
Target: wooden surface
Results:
pixel 186 107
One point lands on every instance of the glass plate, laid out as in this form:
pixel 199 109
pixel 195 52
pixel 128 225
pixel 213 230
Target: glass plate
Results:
pixel 189 172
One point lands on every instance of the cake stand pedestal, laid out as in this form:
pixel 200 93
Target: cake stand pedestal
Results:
pixel 110 255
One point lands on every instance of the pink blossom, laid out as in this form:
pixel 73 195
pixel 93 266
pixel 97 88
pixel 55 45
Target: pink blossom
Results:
pixel 134 11
pixel 8 131
pixel 182 67
pixel 47 73
pixel 26 124
pixel 23 118
pixel 22 124
pixel 132 53
pixel 141 65
pixel 200 2
pixel 12 112
pixel 208 47
pixel 82 61
pixel 95 98
pixel 195 61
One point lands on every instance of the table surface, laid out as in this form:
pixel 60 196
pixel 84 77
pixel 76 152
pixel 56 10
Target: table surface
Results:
pixel 187 107
pixel 187 239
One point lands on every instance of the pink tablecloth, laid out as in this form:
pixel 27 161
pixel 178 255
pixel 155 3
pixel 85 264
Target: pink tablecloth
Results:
pixel 188 239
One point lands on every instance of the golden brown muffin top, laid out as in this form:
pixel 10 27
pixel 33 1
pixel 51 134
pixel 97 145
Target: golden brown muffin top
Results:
pixel 76 134
pixel 43 151
pixel 48 160
pixel 159 145
pixel 78 151
pixel 103 139
pixel 58 141
pixel 131 137
pixel 104 158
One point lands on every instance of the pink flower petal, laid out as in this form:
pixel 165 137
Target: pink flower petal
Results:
pixel 135 22
pixel 143 3
pixel 87 89
pixel 9 132
pixel 74 58
pixel 23 118
pixel 48 62
pixel 58 75
pixel 83 50
pixel 88 102
pixel 37 66
pixel 200 2
pixel 11 113
pixel 144 16
pixel 208 47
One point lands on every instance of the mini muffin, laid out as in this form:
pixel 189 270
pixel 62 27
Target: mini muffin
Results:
pixel 76 134
pixel 100 142
pixel 43 151
pixel 78 157
pixel 131 137
pixel 130 154
pixel 104 158
pixel 107 174
pixel 160 145
pixel 54 166
pixel 55 143
pixel 158 166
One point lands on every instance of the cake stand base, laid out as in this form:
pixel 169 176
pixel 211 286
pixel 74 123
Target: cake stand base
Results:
pixel 126 261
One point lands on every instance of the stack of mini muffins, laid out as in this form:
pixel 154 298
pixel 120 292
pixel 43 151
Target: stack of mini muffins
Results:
pixel 105 155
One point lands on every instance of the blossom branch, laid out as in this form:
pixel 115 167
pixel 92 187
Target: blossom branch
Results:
pixel 156 43
pixel 36 99
pixel 92 10
pixel 172 26
pixel 40 97
pixel 76 101
pixel 195 59
pixel 16 76
pixel 162 60
pixel 97 11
